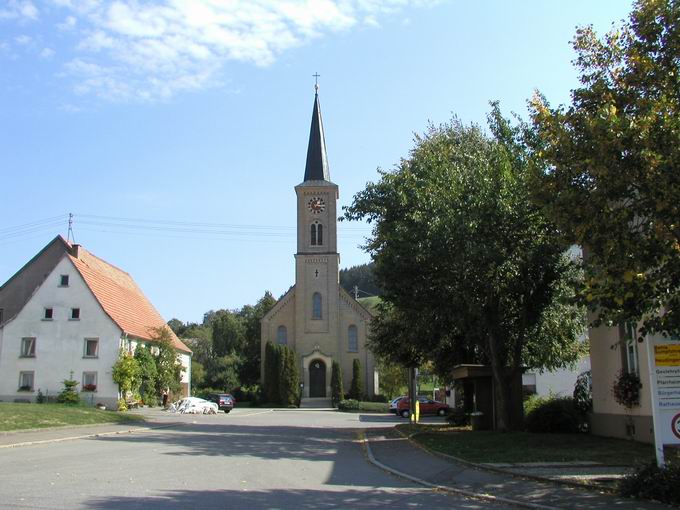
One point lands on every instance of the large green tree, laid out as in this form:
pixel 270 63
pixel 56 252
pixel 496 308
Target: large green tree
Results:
pixel 609 166
pixel 469 267
pixel 168 367
pixel 249 371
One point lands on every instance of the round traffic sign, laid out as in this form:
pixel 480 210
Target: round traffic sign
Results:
pixel 675 425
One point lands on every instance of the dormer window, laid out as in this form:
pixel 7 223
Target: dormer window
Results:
pixel 63 280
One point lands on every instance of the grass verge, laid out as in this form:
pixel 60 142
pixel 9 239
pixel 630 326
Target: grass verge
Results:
pixel 37 416
pixel 520 447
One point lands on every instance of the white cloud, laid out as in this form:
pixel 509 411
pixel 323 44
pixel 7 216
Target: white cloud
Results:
pixel 14 9
pixel 23 40
pixel 133 50
pixel 46 53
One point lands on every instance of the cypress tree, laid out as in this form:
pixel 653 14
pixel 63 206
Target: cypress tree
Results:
pixel 289 377
pixel 356 390
pixel 337 390
pixel 271 370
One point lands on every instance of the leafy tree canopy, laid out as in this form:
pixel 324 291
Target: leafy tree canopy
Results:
pixel 470 269
pixel 608 166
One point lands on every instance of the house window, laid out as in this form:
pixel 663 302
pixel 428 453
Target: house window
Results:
pixel 316 306
pixel 63 280
pixel 352 339
pixel 89 381
pixel 48 314
pixel 26 381
pixel 630 352
pixel 28 347
pixel 282 335
pixel 75 314
pixel 91 348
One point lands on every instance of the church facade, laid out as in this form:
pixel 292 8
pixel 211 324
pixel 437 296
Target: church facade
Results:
pixel 317 318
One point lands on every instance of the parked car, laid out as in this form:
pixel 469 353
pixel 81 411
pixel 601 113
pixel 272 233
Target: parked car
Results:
pixel 225 401
pixel 193 405
pixel 393 404
pixel 427 406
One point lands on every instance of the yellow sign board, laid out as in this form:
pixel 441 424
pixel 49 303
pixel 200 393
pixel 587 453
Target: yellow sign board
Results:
pixel 667 355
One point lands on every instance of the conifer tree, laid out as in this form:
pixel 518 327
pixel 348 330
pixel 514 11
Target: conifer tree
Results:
pixel 356 390
pixel 337 391
pixel 288 377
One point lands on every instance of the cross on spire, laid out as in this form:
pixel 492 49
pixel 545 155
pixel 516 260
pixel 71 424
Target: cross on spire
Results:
pixel 316 81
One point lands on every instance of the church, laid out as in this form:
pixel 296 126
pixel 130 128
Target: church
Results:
pixel 317 318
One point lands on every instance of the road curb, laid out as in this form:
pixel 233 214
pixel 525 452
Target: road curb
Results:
pixel 85 436
pixel 493 469
pixel 462 492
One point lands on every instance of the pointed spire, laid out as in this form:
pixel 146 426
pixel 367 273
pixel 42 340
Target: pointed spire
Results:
pixel 317 161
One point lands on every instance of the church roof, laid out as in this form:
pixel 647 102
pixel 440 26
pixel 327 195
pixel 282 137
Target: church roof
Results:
pixel 316 168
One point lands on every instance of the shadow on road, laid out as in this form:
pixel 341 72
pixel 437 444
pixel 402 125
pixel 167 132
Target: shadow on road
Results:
pixel 297 499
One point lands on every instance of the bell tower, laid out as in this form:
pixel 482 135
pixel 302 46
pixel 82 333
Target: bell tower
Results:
pixel 317 259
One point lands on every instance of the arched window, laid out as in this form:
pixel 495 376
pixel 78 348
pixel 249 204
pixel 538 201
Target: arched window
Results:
pixel 313 234
pixel 282 335
pixel 319 234
pixel 316 306
pixel 352 339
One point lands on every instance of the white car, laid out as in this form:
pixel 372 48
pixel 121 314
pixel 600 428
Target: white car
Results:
pixel 193 405
pixel 394 403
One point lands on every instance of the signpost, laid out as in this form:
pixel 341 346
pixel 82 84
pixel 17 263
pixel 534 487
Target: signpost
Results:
pixel 663 357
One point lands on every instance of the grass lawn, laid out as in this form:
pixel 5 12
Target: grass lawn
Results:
pixel 36 416
pixel 487 446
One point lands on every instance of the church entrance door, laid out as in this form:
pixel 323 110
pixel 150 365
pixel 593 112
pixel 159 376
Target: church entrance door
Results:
pixel 317 379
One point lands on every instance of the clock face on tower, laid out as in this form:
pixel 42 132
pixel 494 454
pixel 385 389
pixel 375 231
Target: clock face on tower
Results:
pixel 316 205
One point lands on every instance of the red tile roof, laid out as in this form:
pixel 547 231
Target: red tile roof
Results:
pixel 121 298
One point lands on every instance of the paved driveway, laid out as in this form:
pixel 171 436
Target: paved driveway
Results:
pixel 247 459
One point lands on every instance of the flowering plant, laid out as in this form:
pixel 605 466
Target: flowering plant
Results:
pixel 626 389
pixel 89 387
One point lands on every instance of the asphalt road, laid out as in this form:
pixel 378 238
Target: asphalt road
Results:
pixel 249 459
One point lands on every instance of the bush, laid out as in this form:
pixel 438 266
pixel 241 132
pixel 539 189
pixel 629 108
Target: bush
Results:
pixel 457 417
pixel 649 481
pixel 348 405
pixel 122 405
pixel 552 415
pixel 379 398
pixel 583 392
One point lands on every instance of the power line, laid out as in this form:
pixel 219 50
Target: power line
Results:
pixel 190 229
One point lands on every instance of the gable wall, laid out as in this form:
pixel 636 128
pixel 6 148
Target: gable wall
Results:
pixel 60 341
pixel 18 289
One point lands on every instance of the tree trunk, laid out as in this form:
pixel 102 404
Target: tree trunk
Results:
pixel 502 387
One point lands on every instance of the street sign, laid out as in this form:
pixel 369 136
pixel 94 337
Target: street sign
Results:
pixel 663 355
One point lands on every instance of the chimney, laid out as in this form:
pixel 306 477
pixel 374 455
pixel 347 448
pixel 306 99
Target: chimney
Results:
pixel 75 250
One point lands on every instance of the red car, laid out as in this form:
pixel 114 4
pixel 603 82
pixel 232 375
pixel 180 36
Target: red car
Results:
pixel 427 406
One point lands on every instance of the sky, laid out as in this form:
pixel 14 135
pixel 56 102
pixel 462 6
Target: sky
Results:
pixel 175 131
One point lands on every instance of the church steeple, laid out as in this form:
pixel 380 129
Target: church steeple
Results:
pixel 316 168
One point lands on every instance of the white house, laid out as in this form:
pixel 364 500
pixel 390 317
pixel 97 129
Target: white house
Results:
pixel 66 314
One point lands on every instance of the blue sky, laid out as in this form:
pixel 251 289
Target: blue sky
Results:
pixel 175 130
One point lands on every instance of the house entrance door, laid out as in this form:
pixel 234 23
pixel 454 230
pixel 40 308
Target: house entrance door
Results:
pixel 317 379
